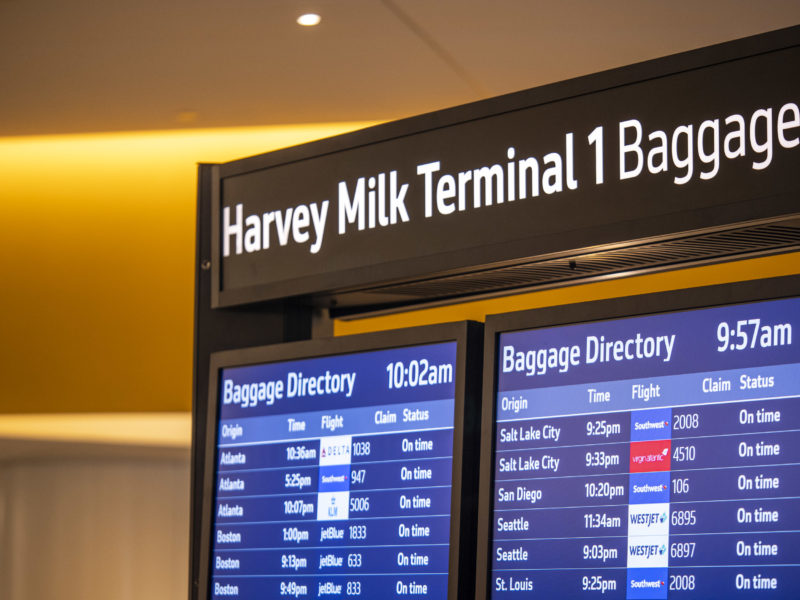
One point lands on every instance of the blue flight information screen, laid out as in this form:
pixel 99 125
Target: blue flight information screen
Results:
pixel 650 457
pixel 333 476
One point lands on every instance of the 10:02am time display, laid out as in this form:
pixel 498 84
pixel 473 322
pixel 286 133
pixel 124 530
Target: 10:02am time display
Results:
pixel 416 373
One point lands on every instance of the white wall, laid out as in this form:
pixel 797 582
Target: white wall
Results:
pixel 94 528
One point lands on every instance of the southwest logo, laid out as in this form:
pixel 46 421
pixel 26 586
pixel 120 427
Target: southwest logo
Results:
pixel 653 424
pixel 649 488
pixel 647 583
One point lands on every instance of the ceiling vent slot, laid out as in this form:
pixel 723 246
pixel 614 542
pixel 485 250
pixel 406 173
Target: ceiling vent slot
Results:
pixel 771 237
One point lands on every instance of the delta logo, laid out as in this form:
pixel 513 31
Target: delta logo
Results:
pixel 651 456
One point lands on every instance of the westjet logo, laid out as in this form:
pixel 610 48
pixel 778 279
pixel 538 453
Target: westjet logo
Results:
pixel 648 519
pixel 647 550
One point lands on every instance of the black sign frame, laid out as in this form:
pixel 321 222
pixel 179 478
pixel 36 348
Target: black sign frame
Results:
pixel 468 335
pixel 595 311
pixel 615 224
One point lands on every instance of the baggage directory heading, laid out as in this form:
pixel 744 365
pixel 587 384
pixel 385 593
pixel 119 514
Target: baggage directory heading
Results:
pixel 650 457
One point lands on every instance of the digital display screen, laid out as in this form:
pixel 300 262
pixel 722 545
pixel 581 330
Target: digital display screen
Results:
pixel 649 457
pixel 334 474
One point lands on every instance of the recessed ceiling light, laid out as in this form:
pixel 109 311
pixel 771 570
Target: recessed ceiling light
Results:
pixel 309 19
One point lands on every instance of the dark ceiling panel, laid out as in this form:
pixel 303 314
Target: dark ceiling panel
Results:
pixel 83 66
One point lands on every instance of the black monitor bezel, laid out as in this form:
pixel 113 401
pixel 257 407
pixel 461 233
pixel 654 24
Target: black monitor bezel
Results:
pixel 579 313
pixel 466 428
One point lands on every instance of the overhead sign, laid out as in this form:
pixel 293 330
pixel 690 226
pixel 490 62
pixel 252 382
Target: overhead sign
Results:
pixel 694 141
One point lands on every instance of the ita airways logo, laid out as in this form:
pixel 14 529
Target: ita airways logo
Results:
pixel 647 457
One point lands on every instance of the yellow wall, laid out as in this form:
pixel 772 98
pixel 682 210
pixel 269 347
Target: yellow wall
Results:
pixel 97 264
